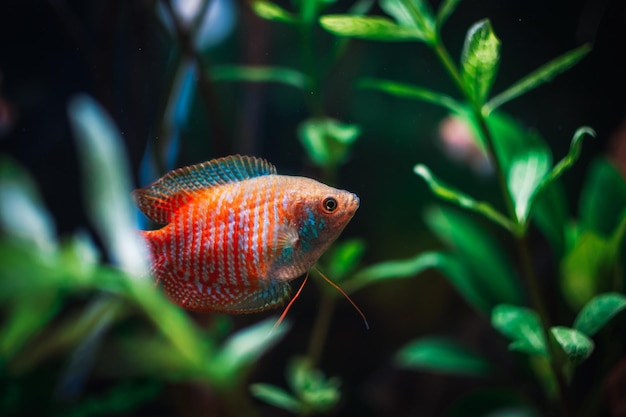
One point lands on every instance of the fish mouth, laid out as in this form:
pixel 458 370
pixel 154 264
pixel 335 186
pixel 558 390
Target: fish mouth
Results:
pixel 355 203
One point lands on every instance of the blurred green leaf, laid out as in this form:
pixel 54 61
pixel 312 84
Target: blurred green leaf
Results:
pixel 446 8
pixel 270 11
pixel 345 257
pixel 463 200
pixel 106 185
pixel 412 14
pixel 488 264
pixel 598 312
pixel 317 393
pixel 603 198
pixel 276 396
pixel 327 141
pixel 525 175
pixel 541 75
pixel 412 92
pixel 369 27
pixel 22 213
pixel 242 349
pixel 260 74
pixel 573 154
pixel 479 60
pixel 584 269
pixel 522 326
pixel 550 214
pixel 443 356
pixel 576 345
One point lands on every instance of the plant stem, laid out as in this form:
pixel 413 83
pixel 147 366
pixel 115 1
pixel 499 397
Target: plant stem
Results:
pixel 520 231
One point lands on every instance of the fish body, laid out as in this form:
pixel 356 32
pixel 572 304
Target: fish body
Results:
pixel 235 232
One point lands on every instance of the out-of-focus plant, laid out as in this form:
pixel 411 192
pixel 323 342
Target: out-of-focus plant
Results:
pixel 44 280
pixel 588 249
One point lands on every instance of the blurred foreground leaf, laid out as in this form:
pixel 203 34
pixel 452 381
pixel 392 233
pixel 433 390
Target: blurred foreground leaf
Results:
pixel 327 141
pixel 276 396
pixel 598 312
pixel 370 27
pixel 270 11
pixel 443 356
pixel 522 326
pixel 260 74
pixel 410 91
pixel 344 257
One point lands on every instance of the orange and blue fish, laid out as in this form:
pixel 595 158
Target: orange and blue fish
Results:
pixel 236 233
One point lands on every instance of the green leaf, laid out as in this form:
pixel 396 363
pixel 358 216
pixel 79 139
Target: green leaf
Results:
pixel 573 154
pixel 260 74
pixel 327 141
pixel 598 312
pixel 276 396
pixel 576 345
pixel 443 356
pixel 541 75
pixel 412 92
pixel 484 257
pixel 525 175
pixel 453 195
pixel 603 198
pixel 550 214
pixel 479 60
pixel 522 326
pixel 22 213
pixel 446 8
pixel 270 11
pixel 584 269
pixel 317 393
pixel 106 185
pixel 242 349
pixel 370 28
pixel 412 14
pixel 344 258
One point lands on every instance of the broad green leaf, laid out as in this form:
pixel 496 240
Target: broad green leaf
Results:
pixel 276 396
pixel 453 195
pixel 584 269
pixel 603 198
pixel 576 345
pixel 270 11
pixel 446 8
pixel 479 60
pixel 412 92
pixel 522 326
pixel 106 185
pixel 441 355
pixel 541 75
pixel 344 258
pixel 242 349
pixel 413 14
pixel 327 141
pixel 22 213
pixel 598 312
pixel 525 175
pixel 484 257
pixel 260 74
pixel 369 27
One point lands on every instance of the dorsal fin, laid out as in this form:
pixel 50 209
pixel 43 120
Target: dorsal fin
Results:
pixel 163 197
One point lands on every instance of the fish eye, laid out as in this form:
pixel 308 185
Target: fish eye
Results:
pixel 330 204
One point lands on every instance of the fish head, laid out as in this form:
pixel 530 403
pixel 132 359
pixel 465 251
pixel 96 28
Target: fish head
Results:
pixel 321 213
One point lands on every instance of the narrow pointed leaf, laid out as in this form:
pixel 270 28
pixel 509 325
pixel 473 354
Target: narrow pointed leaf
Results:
pixel 270 11
pixel 543 74
pixel 412 13
pixel 370 27
pixel 575 344
pixel 522 326
pixel 276 396
pixel 480 59
pixel 598 312
pixel 260 74
pixel 412 92
pixel 440 355
pixel 463 200
pixel 446 8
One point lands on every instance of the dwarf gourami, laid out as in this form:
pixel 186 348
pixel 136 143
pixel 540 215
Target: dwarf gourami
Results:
pixel 236 233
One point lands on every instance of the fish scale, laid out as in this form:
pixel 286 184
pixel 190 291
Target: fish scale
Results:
pixel 235 233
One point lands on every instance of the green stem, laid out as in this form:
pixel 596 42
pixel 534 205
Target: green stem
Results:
pixel 313 93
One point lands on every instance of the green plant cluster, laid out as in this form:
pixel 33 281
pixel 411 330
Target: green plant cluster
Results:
pixel 41 276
